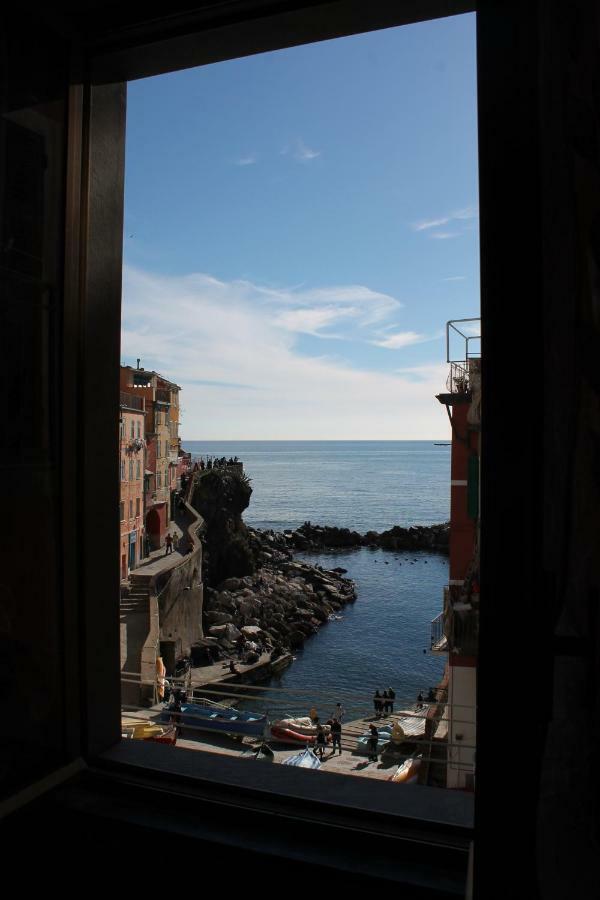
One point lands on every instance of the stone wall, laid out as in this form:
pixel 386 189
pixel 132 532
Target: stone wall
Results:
pixel 180 603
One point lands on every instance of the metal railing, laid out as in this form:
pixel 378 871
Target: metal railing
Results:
pixel 469 336
pixel 437 632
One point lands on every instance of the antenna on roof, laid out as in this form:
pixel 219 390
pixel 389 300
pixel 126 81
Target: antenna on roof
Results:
pixel 138 363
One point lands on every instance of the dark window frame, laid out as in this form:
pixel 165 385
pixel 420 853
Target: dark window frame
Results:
pixel 509 138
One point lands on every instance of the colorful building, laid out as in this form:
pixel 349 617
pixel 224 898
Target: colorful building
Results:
pixel 455 630
pixel 161 398
pixel 132 415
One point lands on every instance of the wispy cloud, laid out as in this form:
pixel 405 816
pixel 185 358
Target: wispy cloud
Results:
pixel 400 339
pixel 234 348
pixel 300 151
pixel 455 278
pixel 246 160
pixel 469 212
pixel 443 235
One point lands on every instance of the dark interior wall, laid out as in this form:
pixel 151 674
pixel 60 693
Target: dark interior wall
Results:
pixel 33 147
pixel 568 824
pixel 539 89
pixel 539 96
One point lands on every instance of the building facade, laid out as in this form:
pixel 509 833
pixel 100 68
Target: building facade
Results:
pixel 161 398
pixel 132 461
pixel 455 630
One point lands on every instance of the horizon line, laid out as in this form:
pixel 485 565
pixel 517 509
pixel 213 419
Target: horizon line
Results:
pixel 316 440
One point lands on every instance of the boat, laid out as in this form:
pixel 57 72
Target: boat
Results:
pixel 301 725
pixel 290 736
pixel 216 718
pixel 305 760
pixel 145 730
pixel 407 772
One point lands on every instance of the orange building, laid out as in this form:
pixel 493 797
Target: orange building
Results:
pixel 161 398
pixel 132 462
pixel 455 630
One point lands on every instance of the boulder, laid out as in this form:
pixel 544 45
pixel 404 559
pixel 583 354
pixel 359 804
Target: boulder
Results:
pixel 216 617
pixel 232 584
pixel 250 631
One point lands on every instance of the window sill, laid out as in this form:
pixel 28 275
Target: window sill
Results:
pixel 284 816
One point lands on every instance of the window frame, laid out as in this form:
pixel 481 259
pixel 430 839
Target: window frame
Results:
pixel 507 130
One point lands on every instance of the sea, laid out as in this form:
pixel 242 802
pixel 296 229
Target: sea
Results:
pixel 382 639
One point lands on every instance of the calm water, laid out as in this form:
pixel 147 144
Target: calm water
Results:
pixel 357 484
pixel 379 640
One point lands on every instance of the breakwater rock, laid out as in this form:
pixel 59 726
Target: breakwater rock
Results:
pixel 326 537
pixel 278 606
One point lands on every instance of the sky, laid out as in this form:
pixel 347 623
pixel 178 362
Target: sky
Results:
pixel 299 226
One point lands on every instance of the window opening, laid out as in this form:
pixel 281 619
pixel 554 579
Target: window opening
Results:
pixel 319 522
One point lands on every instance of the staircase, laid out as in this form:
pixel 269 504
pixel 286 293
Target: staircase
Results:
pixel 137 600
pixel 135 626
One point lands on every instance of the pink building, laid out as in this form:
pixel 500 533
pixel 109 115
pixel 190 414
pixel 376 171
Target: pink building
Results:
pixel 131 472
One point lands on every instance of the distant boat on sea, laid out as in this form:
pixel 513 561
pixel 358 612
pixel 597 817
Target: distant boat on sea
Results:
pixel 446 444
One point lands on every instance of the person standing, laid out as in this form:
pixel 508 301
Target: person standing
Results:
pixel 372 743
pixel 377 703
pixel 168 543
pixel 320 742
pixel 338 712
pixel 391 698
pixel 314 715
pixel 386 703
pixel 336 736
pixel 420 701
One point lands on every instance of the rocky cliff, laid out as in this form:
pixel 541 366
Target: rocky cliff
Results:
pixel 256 590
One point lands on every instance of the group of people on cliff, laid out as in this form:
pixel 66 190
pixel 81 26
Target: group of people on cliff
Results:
pixel 212 462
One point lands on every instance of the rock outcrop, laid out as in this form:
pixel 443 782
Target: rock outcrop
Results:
pixel 256 591
pixel 326 537
pixel 281 604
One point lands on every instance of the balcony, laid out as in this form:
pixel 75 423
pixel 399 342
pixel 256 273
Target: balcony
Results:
pixel 131 401
pixel 439 642
pixel 456 629
pixel 163 396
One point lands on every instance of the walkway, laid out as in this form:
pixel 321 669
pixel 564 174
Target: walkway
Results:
pixel 159 561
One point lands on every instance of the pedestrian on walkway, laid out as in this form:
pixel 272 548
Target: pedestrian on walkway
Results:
pixel 321 741
pixel 168 543
pixel 314 715
pixel 336 736
pixel 386 702
pixel 420 701
pixel 372 743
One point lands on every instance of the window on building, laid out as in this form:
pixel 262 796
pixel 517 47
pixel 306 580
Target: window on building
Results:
pixel 132 429
pixel 122 511
pixel 131 509
pixel 122 470
pixel 139 429
pixel 131 470
pixel 137 506
pixel 137 469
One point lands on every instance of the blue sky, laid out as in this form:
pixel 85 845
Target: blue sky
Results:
pixel 299 227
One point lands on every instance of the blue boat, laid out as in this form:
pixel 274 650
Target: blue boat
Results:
pixel 216 718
